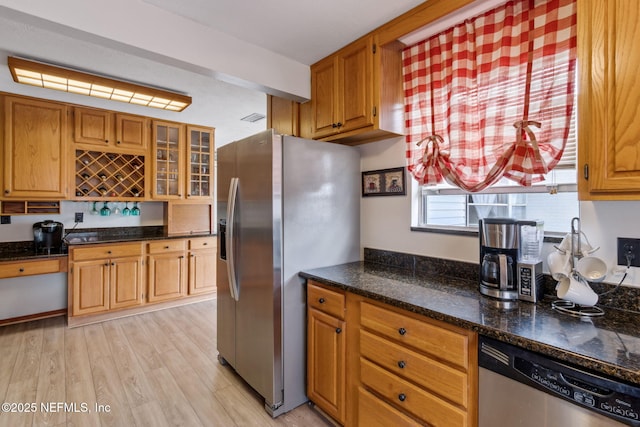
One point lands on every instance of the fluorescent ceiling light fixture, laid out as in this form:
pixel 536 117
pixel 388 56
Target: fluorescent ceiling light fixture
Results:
pixel 67 80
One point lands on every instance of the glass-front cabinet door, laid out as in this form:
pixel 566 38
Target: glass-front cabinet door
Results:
pixel 168 143
pixel 200 148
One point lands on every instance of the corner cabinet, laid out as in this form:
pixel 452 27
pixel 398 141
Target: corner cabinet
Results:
pixel 356 94
pixel 609 132
pixel 35 149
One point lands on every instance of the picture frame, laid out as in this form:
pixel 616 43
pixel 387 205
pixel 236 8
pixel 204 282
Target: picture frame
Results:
pixel 384 182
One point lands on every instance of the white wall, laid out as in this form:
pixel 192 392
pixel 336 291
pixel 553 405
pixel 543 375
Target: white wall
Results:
pixel 386 221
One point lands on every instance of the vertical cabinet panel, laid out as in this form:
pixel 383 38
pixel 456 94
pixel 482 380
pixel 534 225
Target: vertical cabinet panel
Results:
pixel 200 148
pixel 168 147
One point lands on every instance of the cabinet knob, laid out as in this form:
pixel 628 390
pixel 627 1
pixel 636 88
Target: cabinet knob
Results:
pixel 7 191
pixel 205 244
pixel 401 364
pixel 106 264
pixel 166 247
pixel 339 125
pixel 113 263
pixel 179 195
pixel 321 300
pixel 338 330
pixel 402 397
pixel 181 256
pixel 21 270
pixel 402 331
pixel 117 142
pixel 106 141
pixel 109 252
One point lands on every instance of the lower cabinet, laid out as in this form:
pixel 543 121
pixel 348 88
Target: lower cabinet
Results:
pixel 105 279
pixel 108 278
pixel 326 346
pixel 391 367
pixel 167 270
pixel 202 265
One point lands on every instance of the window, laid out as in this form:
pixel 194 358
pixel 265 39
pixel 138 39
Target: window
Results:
pixel 489 106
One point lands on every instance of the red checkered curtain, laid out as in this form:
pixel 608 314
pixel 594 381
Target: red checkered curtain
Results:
pixel 492 97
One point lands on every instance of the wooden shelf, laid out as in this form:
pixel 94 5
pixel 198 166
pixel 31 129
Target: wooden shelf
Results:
pixel 109 176
pixel 23 207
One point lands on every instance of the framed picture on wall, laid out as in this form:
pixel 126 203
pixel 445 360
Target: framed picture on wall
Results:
pixel 384 182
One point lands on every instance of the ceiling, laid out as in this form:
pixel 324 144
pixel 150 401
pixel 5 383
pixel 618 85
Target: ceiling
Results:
pixel 301 30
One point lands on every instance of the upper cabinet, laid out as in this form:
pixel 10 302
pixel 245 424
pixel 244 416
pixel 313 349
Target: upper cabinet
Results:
pixel 199 163
pixel 106 130
pixel 356 94
pixel 609 131
pixel 35 149
pixel 168 149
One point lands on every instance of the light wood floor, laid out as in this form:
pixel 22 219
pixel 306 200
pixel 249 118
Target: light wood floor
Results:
pixel 155 369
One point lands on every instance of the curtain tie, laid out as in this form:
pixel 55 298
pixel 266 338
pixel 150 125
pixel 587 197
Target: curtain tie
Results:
pixel 522 127
pixel 432 149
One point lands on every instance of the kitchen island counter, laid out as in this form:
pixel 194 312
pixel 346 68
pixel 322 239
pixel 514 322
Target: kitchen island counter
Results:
pixel 609 344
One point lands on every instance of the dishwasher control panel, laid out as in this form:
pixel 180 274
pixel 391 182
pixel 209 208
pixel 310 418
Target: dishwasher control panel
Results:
pixel 605 395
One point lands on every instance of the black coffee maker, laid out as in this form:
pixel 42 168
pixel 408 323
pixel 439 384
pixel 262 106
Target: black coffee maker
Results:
pixel 47 237
pixel 499 246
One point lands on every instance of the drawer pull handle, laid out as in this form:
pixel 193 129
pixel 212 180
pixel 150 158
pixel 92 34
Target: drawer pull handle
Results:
pixel 402 331
pixel 338 330
pixel 21 270
pixel 109 252
pixel 166 247
pixel 205 244
pixel 321 300
pixel 402 397
pixel 401 364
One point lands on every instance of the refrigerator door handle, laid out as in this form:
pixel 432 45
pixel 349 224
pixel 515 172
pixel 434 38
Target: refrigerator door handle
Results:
pixel 230 240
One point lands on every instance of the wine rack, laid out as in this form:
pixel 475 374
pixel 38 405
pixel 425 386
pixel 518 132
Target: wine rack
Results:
pixel 109 176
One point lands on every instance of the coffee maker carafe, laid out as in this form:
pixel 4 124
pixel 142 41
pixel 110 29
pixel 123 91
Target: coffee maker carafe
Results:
pixel 499 245
pixel 47 237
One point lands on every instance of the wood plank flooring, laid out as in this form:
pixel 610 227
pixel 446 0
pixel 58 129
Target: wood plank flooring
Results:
pixel 154 369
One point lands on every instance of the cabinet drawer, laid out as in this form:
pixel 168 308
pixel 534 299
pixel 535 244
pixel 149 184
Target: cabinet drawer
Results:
pixel 202 243
pixel 29 268
pixel 411 398
pixel 423 335
pixel 167 246
pixel 375 412
pixel 106 251
pixel 437 377
pixel 325 300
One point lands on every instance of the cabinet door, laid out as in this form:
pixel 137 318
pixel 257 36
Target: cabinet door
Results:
pixel 132 132
pixel 609 132
pixel 355 86
pixel 199 163
pixel 92 126
pixel 324 88
pixel 168 145
pixel 125 282
pixel 167 276
pixel 90 286
pixel 35 154
pixel 326 378
pixel 202 271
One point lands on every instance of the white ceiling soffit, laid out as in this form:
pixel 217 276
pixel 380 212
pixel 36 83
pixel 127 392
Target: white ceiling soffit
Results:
pixel 303 30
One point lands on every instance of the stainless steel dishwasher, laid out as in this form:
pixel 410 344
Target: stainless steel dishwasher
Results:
pixel 521 388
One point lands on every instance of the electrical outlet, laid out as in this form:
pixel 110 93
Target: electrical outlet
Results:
pixel 630 247
pixel 79 216
pixel 5 219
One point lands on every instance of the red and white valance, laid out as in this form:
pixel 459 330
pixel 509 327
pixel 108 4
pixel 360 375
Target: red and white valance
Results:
pixel 492 97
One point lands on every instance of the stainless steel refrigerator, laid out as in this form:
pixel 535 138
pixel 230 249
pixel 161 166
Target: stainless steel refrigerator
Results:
pixel 284 204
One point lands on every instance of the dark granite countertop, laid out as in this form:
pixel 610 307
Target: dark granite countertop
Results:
pixel 609 344
pixel 17 251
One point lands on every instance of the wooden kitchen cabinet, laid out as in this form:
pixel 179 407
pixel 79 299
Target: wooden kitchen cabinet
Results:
pixel 35 149
pixel 283 115
pixel 609 132
pixel 168 158
pixel 103 129
pixel 105 277
pixel 423 368
pixel 356 93
pixel 202 265
pixel 326 347
pixel 200 148
pixel 167 270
